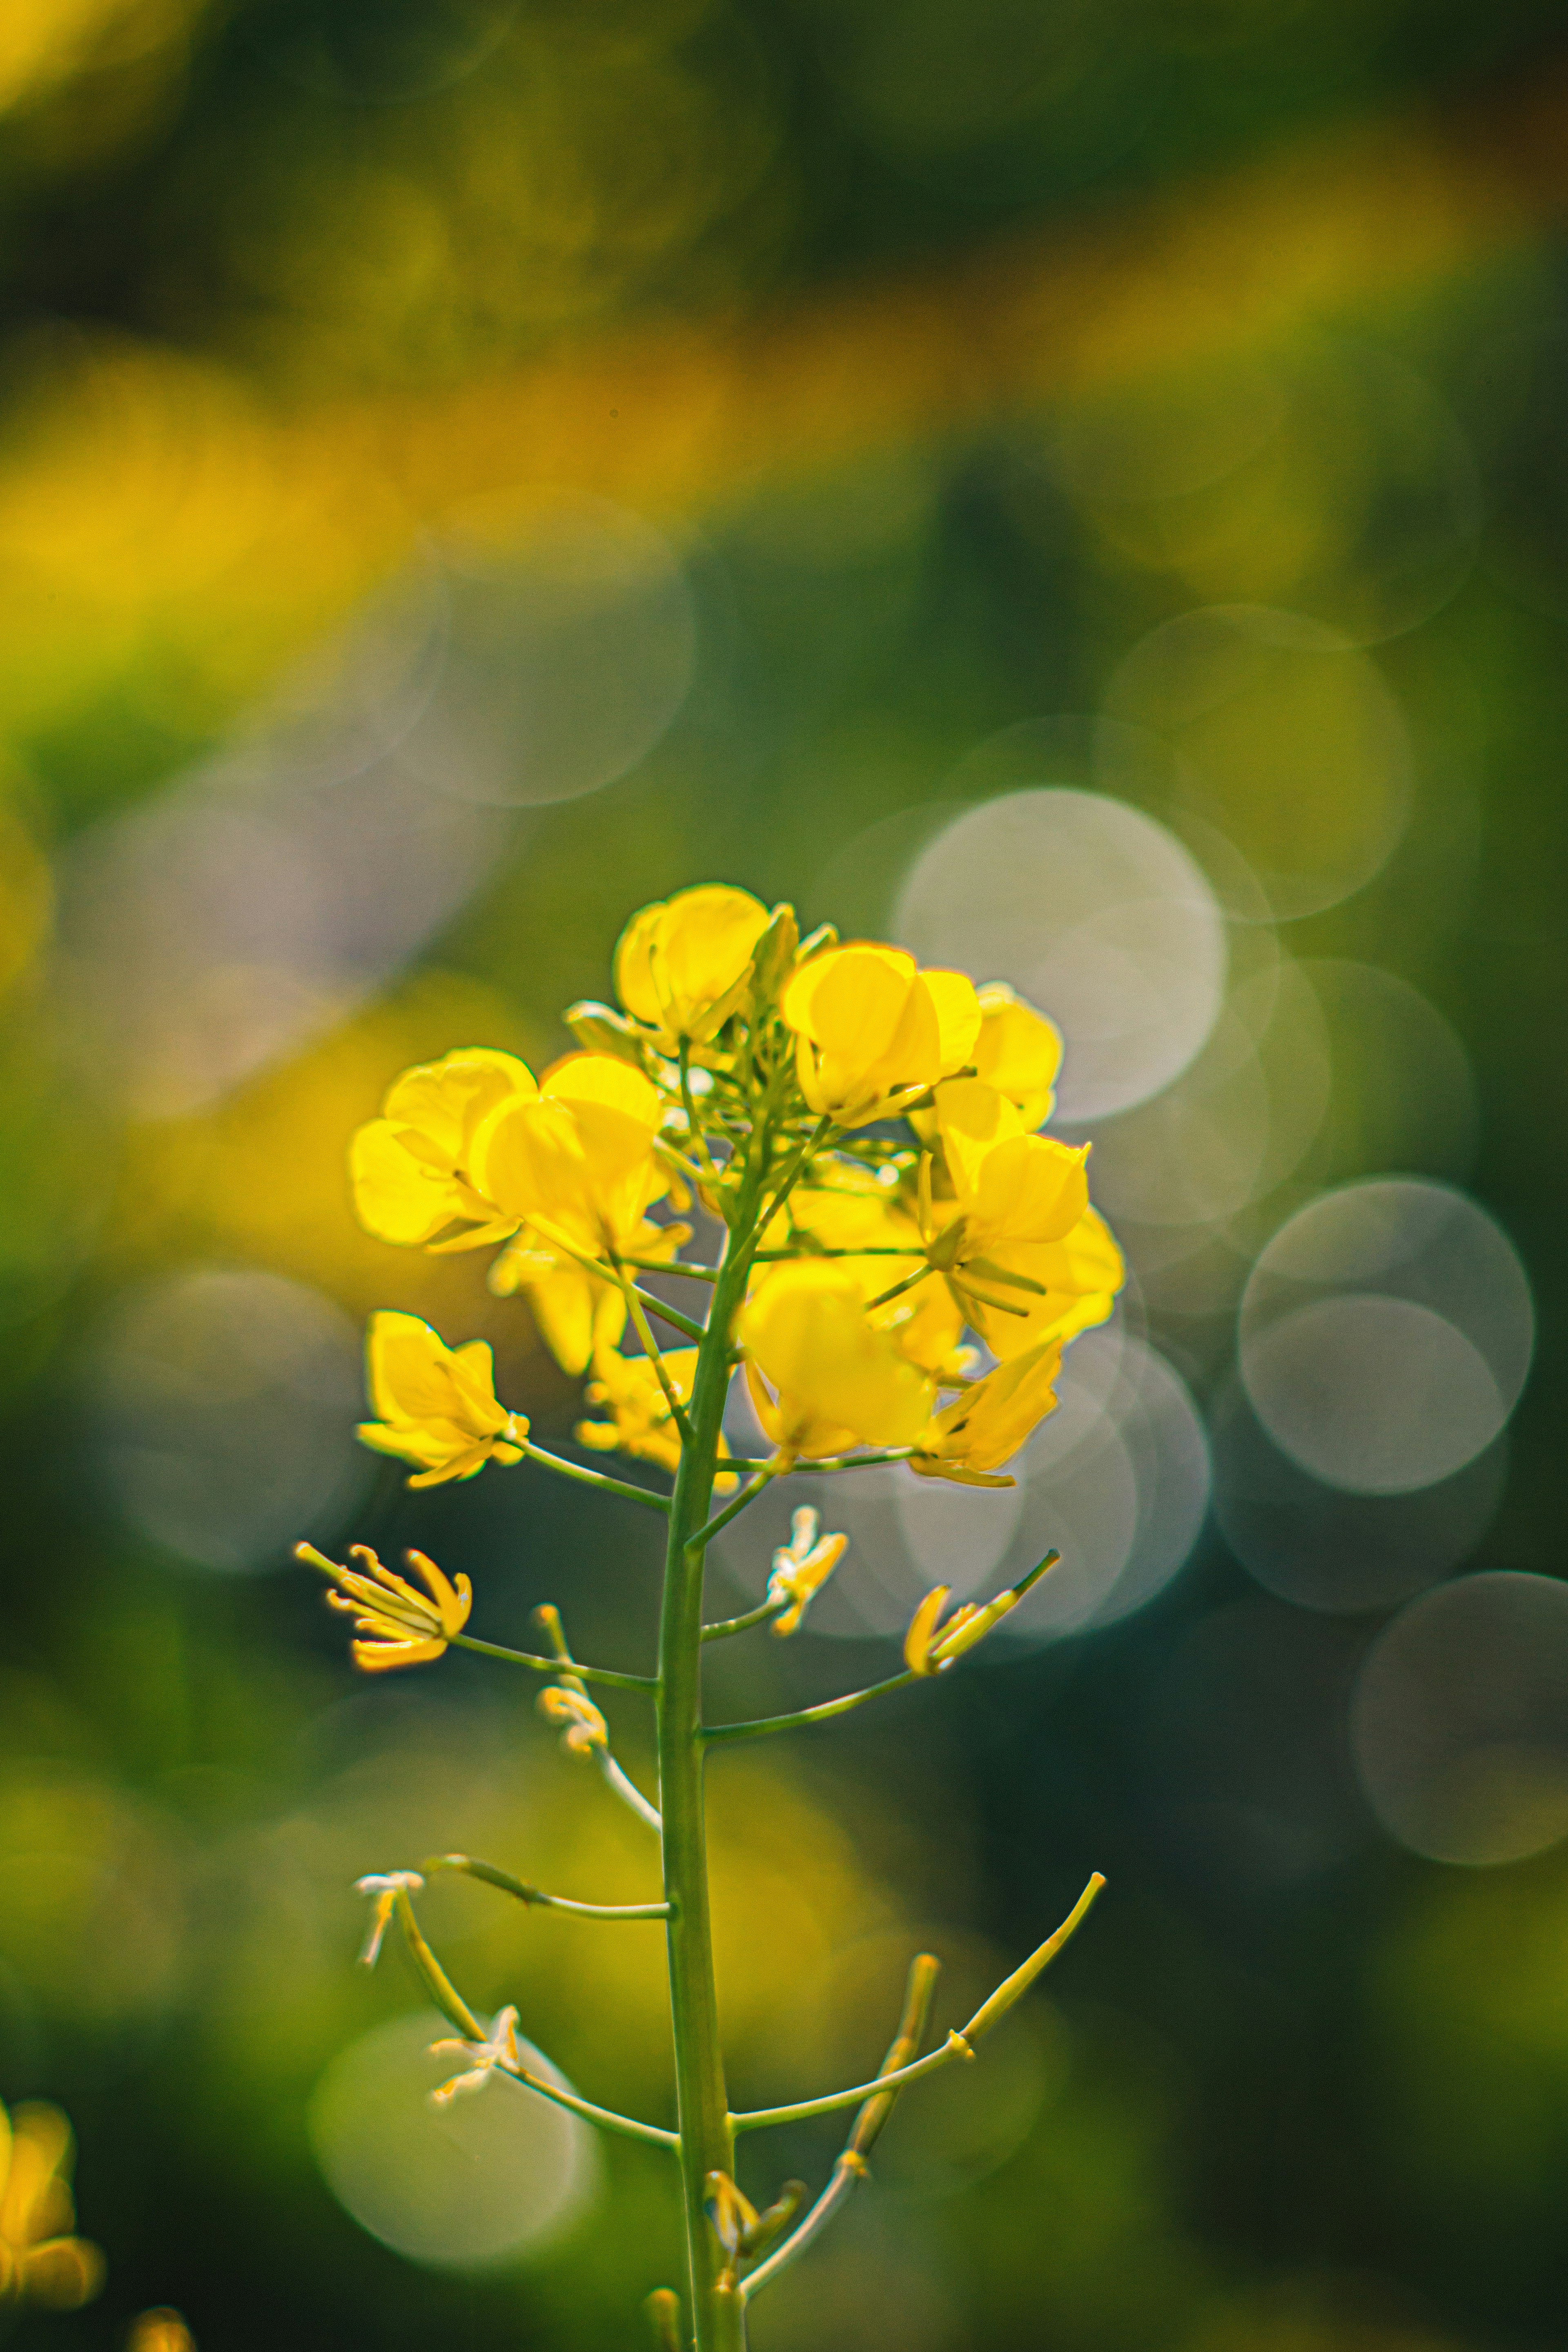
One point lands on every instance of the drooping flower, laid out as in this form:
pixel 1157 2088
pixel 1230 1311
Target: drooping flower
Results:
pixel 1017 1051
pixel 484 2057
pixel 930 1647
pixel 682 964
pixel 968 1439
pixel 410 1167
pixel 398 1624
pixel 384 1887
pixel 873 1032
pixel 41 2261
pixel 839 1380
pixel 802 1567
pixel 436 1406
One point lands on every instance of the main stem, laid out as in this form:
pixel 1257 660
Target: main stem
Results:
pixel 706 2144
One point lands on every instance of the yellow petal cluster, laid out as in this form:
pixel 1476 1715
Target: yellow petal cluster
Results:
pixel 1024 1253
pixel 838 1380
pixel 436 1406
pixel 855 1214
pixel 640 1421
pixel 41 2261
pixel 968 1439
pixel 1018 1052
pixel 573 1166
pixel 410 1168
pixel 682 964
pixel 873 1032
pixel 399 1625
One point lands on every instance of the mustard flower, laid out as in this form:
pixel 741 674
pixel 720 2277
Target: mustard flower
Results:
pixel 840 1380
pixel 930 1647
pixel 855 1214
pixel 398 1624
pixel 802 1567
pixel 384 1887
pixel 436 1406
pixel 500 2050
pixel 873 1032
pixel 640 1422
pixel 1018 1052
pixel 967 1440
pixel 682 964
pixel 410 1167
pixel 40 2260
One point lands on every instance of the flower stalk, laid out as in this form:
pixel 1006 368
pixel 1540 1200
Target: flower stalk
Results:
pixel 751 1067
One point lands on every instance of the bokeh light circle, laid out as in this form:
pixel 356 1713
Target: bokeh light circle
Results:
pixel 1324 1549
pixel 1094 912
pixel 571 642
pixel 223 1405
pixel 1459 1723
pixel 1385 1334
pixel 495 2176
pixel 1292 745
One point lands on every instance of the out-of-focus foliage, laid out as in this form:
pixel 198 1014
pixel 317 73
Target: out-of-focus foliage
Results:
pixel 1078 490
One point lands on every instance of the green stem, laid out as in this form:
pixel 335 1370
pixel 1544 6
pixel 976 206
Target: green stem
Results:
pixel 701 2101
pixel 586 1477
pixel 733 1509
pixel 532 1895
pixel 762 1723
pixel 552 1665
pixel 758 1616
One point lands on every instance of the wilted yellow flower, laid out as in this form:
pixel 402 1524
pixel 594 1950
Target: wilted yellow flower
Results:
pixel 931 1648
pixel 1018 1052
pixel 410 1166
pixel 40 2260
pixel 436 1406
pixel 840 1382
pixel 682 964
pixel 583 1728
pixel 484 2057
pixel 403 1627
pixel 967 1440
pixel 802 1567
pixel 873 1032
pixel 383 1886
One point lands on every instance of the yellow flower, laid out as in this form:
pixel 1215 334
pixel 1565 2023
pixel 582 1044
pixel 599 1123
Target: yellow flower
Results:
pixel 40 2261
pixel 1010 1185
pixel 682 964
pixel 641 1422
pixel 436 1406
pixel 873 1032
pixel 802 1567
pixel 857 1212
pixel 929 1649
pixel 1073 1286
pixel 1018 1052
pixel 967 1440
pixel 840 1382
pixel 404 1627
pixel 409 1167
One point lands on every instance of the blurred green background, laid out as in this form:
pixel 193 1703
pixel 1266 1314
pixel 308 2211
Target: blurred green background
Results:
pixel 1081 487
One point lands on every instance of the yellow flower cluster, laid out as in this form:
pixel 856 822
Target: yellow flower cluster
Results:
pixel 865 1132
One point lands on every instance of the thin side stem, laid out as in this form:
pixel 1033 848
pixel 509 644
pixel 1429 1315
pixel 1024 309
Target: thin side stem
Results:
pixel 547 1617
pixel 809 1468
pixel 722 1630
pixel 795 1171
pixel 700 1542
pixel 620 1784
pixel 634 1299
pixel 959 2044
pixel 604 1675
pixel 762 1724
pixel 456 2009
pixel 852 2163
pixel 535 1896
pixel 587 1478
